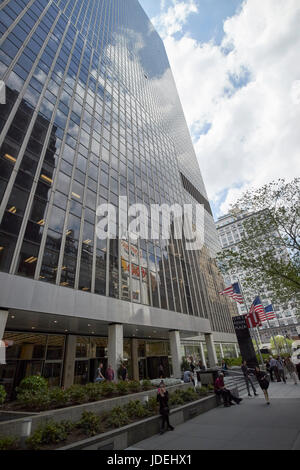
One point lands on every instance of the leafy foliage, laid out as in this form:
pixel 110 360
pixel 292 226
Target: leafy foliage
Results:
pixel 8 443
pixel 2 394
pixel 117 417
pixel 269 253
pixel 77 394
pixel 33 383
pixel 146 384
pixel 93 391
pixel 107 389
pixel 122 387
pixel 49 433
pixel 134 386
pixel 90 424
pixel 136 409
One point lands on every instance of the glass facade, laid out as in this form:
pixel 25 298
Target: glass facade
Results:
pixel 91 114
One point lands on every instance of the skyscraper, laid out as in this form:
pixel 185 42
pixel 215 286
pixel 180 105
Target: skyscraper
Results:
pixel 91 114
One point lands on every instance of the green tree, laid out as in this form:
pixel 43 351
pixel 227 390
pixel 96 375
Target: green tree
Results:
pixel 283 344
pixel 269 253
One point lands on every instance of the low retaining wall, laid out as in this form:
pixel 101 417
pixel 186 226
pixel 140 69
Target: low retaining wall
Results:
pixel 13 427
pixel 129 435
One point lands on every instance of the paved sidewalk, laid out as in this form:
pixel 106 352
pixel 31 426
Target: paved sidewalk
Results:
pixel 251 425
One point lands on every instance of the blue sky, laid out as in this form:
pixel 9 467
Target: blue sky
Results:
pixel 207 23
pixel 240 58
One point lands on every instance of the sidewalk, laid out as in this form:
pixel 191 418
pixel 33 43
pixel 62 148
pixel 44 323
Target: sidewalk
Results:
pixel 250 425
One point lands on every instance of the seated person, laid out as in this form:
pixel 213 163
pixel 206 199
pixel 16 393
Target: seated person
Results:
pixel 221 390
pixel 188 377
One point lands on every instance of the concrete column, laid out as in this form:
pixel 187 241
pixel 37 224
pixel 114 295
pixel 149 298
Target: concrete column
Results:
pixel 3 320
pixel 69 361
pixel 236 350
pixel 203 355
pixel 175 346
pixel 115 347
pixel 134 359
pixel 212 357
pixel 222 352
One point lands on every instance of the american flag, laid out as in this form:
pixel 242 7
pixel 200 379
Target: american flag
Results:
pixel 252 319
pixel 255 311
pixel 268 313
pixel 233 291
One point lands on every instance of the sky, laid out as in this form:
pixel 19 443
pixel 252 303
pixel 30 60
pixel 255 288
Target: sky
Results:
pixel 237 69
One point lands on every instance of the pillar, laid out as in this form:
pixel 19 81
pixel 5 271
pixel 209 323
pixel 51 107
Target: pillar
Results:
pixel 236 350
pixel 212 357
pixel 203 355
pixel 175 346
pixel 115 347
pixel 135 359
pixel 69 361
pixel 3 320
pixel 222 352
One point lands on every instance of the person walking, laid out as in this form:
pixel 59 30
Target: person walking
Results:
pixel 248 379
pixel 291 368
pixel 268 368
pixel 280 366
pixel 161 372
pixel 221 390
pixel 274 368
pixel 110 375
pixel 163 400
pixel 124 373
pixel 263 380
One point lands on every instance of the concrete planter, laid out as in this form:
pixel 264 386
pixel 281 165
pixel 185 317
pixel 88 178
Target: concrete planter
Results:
pixel 129 435
pixel 13 427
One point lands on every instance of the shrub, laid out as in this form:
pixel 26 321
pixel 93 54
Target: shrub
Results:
pixel 58 397
pixel 49 433
pixel 189 395
pixel 117 417
pixel 34 383
pixel 93 391
pixel 146 384
pixel 77 394
pixel 134 386
pixel 107 389
pixel 210 388
pixel 122 387
pixel 39 400
pixel 152 405
pixel 2 395
pixel 136 409
pixel 176 398
pixel 90 424
pixel 8 443
pixel 202 391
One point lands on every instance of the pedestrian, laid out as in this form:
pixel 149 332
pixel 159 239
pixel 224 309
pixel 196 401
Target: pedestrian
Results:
pixel 268 368
pixel 298 369
pixel 124 373
pixel 274 368
pixel 100 377
pixel 161 373
pixel 163 400
pixel 221 390
pixel 201 365
pixel 291 368
pixel 110 375
pixel 192 365
pixel 248 379
pixel 188 377
pixel 263 380
pixel 280 366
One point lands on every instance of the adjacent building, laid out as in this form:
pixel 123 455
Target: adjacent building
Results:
pixel 92 114
pixel 230 231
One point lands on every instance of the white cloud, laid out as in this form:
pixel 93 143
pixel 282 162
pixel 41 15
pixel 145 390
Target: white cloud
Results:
pixel 254 135
pixel 172 21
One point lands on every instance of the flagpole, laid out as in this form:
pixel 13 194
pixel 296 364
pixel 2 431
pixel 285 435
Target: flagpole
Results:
pixel 258 350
